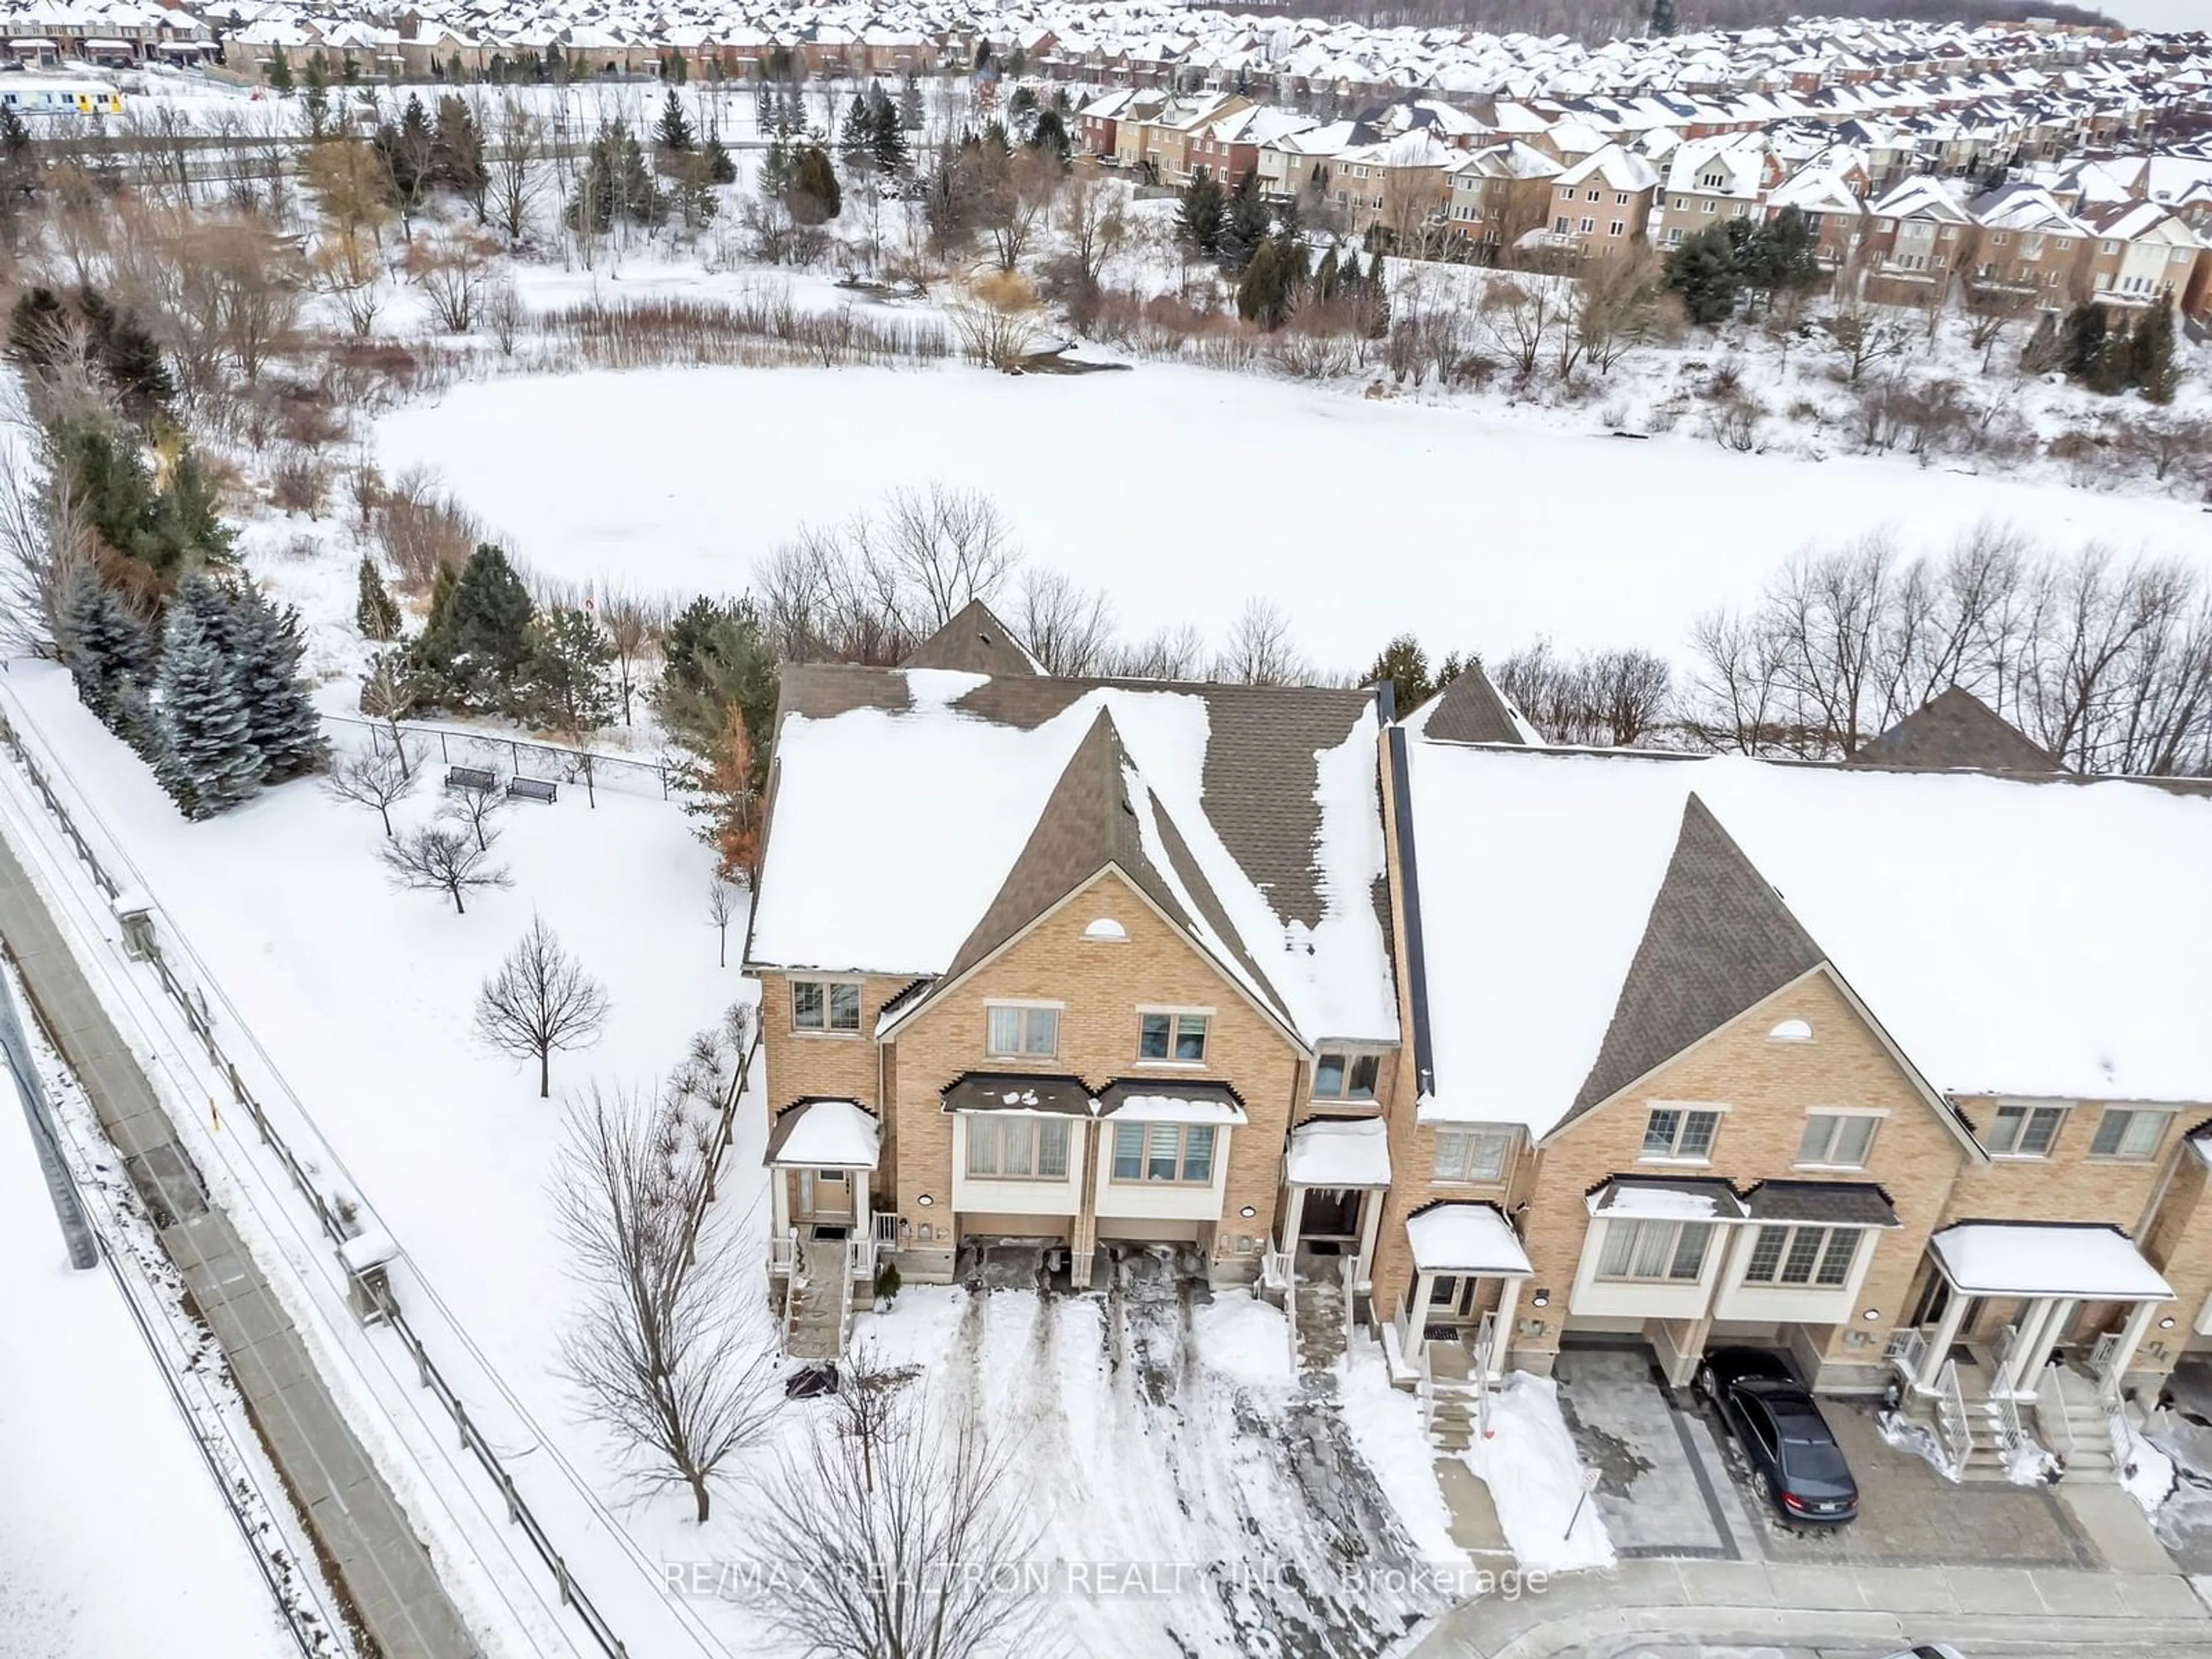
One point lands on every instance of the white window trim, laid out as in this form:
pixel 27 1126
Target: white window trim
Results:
pixel 2158 1109
pixel 1812 1281
pixel 2063 1108
pixel 1812 1112
pixel 1108 1153
pixel 1713 1230
pixel 1171 1063
pixel 1679 1163
pixel 1352 1053
pixel 999 1122
pixel 1058 1008
pixel 826 1029
pixel 1501 1131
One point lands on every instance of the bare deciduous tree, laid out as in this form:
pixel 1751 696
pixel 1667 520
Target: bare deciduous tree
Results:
pixel 1067 629
pixel 1258 651
pixel 516 161
pixel 1091 220
pixel 632 623
pixel 453 267
pixel 438 860
pixel 380 778
pixel 1519 319
pixel 879 1537
pixel 724 902
pixel 1174 651
pixel 671 1347
pixel 385 696
pixel 541 1000
pixel 474 809
pixel 1607 699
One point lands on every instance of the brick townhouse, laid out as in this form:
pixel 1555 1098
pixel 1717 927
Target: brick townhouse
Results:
pixel 1898 1065
pixel 1125 937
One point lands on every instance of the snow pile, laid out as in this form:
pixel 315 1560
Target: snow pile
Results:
pixel 1243 1340
pixel 1385 1421
pixel 1536 1479
pixel 2147 1472
pixel 1338 1152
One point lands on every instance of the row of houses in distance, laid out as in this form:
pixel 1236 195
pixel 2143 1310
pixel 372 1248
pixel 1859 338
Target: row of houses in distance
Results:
pixel 1898 1065
pixel 2041 222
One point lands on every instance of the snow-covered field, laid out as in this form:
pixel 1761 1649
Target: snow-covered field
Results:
pixel 1184 493
pixel 113 1539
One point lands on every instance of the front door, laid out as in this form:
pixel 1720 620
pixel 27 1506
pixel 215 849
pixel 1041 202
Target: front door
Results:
pixel 825 1195
pixel 1330 1212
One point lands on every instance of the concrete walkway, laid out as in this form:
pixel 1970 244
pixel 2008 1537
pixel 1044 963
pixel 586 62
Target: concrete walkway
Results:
pixel 1744 1602
pixel 363 1534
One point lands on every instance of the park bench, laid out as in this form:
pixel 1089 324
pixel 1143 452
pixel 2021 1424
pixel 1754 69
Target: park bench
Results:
pixel 475 778
pixel 532 789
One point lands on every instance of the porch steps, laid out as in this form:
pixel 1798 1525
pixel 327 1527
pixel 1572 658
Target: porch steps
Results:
pixel 1452 1420
pixel 816 1312
pixel 1318 1310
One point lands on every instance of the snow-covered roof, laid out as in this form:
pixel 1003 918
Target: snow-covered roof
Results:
pixel 1338 1152
pixel 1465 1238
pixel 972 763
pixel 824 1134
pixel 1990 924
pixel 2083 1260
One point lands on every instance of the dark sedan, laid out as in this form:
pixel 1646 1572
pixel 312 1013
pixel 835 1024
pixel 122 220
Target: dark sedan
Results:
pixel 1782 1431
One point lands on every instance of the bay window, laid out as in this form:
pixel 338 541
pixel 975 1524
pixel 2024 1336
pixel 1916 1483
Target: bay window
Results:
pixel 1803 1255
pixel 1178 1152
pixel 1018 1148
pixel 1656 1251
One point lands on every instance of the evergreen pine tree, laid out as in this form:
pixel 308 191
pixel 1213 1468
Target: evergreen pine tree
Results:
pixel 102 644
pixel 856 139
pixel 1703 271
pixel 280 72
pixel 457 156
pixel 910 110
pixel 1246 225
pixel 1663 19
pixel 130 359
pixel 1405 666
pixel 37 327
pixel 478 638
pixel 1264 294
pixel 265 648
pixel 1201 214
pixel 2085 331
pixel 207 760
pixel 568 682
pixel 376 612
pixel 1049 136
pixel 721 166
pixel 812 195
pixel 457 72
pixel 1327 282
pixel 14 137
pixel 673 133
pixel 891 128
pixel 764 101
pixel 2150 352
pixel 315 94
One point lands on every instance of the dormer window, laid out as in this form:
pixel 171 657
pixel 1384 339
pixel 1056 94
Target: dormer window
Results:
pixel 1339 1076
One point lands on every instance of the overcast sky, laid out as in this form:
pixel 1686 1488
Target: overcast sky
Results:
pixel 2159 13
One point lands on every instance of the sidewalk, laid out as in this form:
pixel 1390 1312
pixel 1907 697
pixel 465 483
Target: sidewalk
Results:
pixel 1744 1601
pixel 385 1573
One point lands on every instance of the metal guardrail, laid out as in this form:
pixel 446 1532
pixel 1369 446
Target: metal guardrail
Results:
pixel 519 1512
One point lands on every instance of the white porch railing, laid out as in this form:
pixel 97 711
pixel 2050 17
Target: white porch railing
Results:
pixel 2000 1373
pixel 791 1287
pixel 1486 1355
pixel 1427 1388
pixel 2102 1354
pixel 1276 1269
pixel 1400 1326
pixel 1908 1351
pixel 1348 1278
pixel 1953 1428
pixel 783 1254
pixel 845 1289
pixel 2012 1433
pixel 2052 1415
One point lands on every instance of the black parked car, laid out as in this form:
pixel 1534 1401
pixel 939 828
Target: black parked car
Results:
pixel 1782 1433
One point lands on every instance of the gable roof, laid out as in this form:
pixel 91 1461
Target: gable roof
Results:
pixel 1470 709
pixel 919 818
pixel 973 641
pixel 1718 940
pixel 1956 729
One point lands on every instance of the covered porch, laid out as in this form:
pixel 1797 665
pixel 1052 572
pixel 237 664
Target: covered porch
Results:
pixel 821 1159
pixel 1469 1268
pixel 1999 1300
pixel 1336 1181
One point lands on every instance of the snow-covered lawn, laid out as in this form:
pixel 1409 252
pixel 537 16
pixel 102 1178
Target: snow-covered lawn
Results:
pixel 1185 492
pixel 1535 1478
pixel 113 1539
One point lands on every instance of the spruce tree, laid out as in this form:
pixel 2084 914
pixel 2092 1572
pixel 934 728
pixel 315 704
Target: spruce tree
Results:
pixel 813 196
pixel 457 151
pixel 1263 297
pixel 673 133
pixel 1663 19
pixel 207 760
pixel 266 645
pixel 2150 351
pixel 721 166
pixel 1246 225
pixel 1050 136
pixel 2086 331
pixel 856 139
pixel 375 612
pixel 280 72
pixel 315 94
pixel 1201 213
pixel 1404 666
pixel 891 128
pixel 910 109
pixel 102 644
